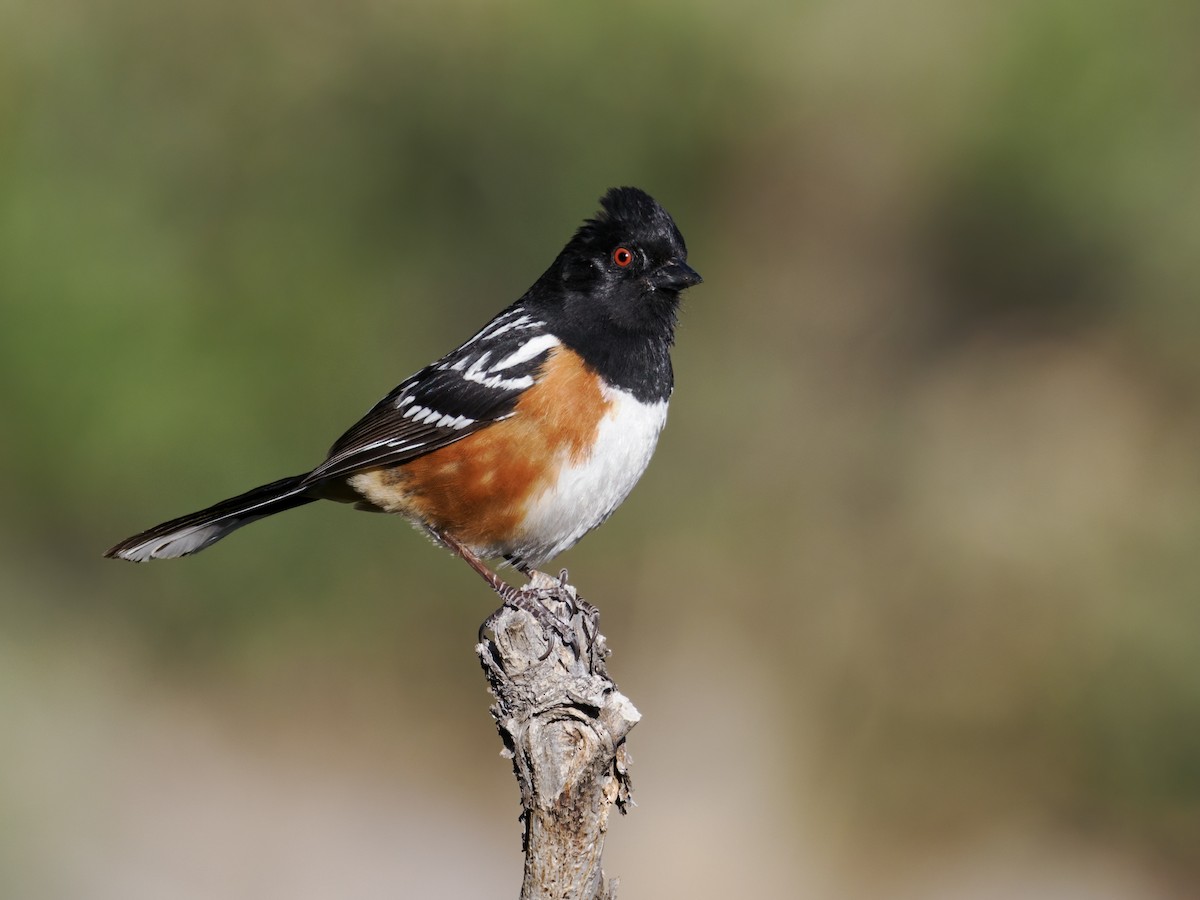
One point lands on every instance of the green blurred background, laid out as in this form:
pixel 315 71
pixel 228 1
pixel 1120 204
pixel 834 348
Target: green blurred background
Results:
pixel 910 597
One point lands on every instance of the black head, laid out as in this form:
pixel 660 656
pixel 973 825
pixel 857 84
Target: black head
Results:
pixel 623 271
pixel 613 292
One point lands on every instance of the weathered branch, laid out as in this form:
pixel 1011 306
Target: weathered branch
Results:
pixel 563 724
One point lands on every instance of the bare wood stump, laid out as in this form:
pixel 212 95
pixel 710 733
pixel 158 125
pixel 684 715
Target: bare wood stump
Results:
pixel 563 723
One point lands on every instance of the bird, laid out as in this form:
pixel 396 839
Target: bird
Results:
pixel 524 438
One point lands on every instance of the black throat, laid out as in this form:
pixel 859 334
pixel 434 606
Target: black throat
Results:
pixel 637 363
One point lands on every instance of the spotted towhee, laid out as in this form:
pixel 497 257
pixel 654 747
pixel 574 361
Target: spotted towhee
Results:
pixel 527 436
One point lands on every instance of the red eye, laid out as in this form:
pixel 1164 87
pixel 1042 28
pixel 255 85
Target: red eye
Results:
pixel 622 257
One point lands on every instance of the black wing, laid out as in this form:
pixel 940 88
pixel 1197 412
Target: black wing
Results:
pixel 466 390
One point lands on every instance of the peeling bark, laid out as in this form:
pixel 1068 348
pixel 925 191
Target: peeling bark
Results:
pixel 563 723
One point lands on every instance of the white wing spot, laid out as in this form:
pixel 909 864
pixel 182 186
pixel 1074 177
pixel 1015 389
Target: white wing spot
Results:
pixel 527 351
pixel 496 325
pixel 519 322
pixel 455 422
pixel 477 375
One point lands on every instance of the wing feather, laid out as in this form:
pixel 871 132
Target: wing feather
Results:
pixel 468 389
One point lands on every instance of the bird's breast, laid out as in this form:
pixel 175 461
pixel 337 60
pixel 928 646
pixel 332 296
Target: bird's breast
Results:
pixel 588 487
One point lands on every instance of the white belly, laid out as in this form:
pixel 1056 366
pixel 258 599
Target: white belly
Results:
pixel 588 491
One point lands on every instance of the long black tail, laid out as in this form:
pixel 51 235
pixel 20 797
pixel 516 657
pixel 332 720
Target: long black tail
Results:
pixel 193 532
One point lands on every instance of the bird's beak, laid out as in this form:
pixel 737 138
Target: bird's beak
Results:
pixel 675 276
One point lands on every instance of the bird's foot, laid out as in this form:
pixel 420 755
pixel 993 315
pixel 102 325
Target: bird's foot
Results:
pixel 530 600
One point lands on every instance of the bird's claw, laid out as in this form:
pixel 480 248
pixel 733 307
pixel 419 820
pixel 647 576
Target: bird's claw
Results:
pixel 529 600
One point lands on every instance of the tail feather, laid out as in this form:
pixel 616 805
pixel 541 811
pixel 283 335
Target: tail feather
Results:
pixel 195 531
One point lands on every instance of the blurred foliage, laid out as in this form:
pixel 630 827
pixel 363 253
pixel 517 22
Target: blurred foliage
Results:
pixel 930 478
